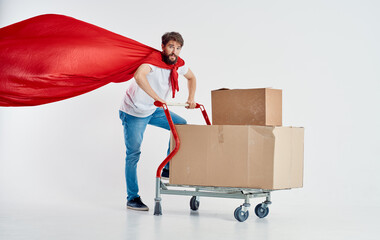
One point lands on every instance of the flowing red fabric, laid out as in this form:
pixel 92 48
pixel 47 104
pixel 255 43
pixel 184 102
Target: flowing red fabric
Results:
pixel 51 57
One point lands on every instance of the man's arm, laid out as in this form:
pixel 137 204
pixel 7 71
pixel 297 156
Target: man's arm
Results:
pixel 191 84
pixel 142 81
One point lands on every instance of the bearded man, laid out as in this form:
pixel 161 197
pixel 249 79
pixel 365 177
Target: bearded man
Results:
pixel 152 83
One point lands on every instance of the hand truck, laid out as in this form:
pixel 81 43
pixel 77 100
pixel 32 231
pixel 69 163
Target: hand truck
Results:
pixel 241 213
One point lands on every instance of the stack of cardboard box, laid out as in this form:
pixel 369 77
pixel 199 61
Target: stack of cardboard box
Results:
pixel 246 147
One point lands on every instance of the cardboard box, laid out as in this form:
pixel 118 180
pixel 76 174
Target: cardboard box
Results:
pixel 238 156
pixel 261 106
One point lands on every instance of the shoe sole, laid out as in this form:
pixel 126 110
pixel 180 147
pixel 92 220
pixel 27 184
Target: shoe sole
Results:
pixel 164 178
pixel 138 209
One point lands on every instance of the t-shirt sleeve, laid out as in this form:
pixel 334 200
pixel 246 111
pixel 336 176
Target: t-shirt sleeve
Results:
pixel 183 70
pixel 153 68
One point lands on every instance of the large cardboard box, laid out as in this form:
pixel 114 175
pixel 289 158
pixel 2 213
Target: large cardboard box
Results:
pixel 239 156
pixel 261 106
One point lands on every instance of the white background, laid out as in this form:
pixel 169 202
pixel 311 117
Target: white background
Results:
pixel 324 55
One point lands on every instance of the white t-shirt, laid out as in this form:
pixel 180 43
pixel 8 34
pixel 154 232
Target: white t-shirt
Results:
pixel 138 103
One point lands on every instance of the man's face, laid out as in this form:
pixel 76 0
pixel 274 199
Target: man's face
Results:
pixel 171 51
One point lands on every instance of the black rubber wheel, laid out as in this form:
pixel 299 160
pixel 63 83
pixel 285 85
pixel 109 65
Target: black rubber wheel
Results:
pixel 236 211
pixel 194 203
pixel 240 215
pixel 261 211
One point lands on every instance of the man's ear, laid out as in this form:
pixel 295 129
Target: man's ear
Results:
pixel 162 46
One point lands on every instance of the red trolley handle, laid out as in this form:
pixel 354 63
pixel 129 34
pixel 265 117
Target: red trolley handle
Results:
pixel 174 131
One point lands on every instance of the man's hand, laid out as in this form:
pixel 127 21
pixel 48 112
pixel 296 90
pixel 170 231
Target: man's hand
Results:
pixel 160 100
pixel 191 103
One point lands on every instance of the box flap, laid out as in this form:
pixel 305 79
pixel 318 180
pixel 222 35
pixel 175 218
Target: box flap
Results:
pixel 220 89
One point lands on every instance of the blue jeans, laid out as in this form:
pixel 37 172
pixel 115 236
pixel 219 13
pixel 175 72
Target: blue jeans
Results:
pixel 134 128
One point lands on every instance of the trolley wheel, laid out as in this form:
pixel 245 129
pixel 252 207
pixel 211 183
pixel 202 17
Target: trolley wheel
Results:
pixel 240 215
pixel 261 211
pixel 194 203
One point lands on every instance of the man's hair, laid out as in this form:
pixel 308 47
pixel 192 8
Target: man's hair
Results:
pixel 172 36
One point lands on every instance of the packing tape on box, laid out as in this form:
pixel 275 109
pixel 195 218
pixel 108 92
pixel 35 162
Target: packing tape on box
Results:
pixel 220 134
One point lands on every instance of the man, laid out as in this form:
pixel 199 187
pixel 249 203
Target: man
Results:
pixel 151 84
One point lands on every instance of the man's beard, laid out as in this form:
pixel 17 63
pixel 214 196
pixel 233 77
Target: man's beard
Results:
pixel 167 60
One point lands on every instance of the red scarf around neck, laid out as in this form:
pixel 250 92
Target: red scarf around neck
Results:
pixel 155 58
pixel 51 57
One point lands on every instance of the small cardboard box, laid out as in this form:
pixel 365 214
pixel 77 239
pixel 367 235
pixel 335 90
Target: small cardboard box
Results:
pixel 238 156
pixel 261 106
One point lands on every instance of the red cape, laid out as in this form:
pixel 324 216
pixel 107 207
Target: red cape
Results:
pixel 49 58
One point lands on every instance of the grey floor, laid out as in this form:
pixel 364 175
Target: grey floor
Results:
pixel 214 219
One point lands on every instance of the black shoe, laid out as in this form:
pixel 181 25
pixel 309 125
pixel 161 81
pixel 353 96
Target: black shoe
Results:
pixel 137 204
pixel 165 173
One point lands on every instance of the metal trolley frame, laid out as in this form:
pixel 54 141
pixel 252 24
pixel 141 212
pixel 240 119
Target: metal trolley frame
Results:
pixel 241 213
